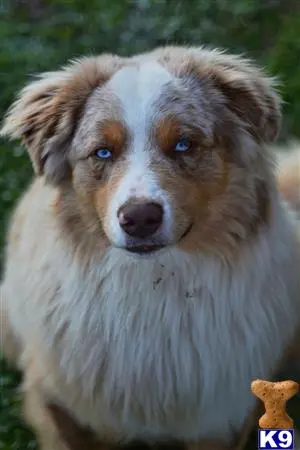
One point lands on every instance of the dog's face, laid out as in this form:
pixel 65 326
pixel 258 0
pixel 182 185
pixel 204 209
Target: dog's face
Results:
pixel 163 149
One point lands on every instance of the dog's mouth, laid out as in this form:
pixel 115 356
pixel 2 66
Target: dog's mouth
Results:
pixel 152 248
pixel 144 248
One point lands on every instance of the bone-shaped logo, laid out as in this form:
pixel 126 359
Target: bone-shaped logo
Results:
pixel 274 396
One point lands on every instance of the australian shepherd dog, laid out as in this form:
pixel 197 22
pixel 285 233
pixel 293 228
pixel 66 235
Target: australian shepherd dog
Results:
pixel 153 266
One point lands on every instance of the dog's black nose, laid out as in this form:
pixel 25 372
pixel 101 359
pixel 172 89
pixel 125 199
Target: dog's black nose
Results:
pixel 140 219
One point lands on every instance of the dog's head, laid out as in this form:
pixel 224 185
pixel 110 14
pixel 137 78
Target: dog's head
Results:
pixel 161 149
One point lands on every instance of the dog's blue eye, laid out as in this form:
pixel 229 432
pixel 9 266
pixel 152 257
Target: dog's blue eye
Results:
pixel 103 153
pixel 183 145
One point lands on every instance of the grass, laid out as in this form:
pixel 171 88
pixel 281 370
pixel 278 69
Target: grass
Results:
pixel 14 435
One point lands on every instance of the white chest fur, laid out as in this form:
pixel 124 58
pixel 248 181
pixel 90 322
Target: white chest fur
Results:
pixel 158 347
pixel 169 347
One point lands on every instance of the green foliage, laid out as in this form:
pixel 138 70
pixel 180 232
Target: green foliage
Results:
pixel 38 35
pixel 13 434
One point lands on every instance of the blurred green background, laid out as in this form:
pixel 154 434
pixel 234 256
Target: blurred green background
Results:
pixel 38 35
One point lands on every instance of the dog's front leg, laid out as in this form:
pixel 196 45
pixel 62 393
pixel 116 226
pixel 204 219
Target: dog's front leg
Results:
pixel 74 435
pixel 39 419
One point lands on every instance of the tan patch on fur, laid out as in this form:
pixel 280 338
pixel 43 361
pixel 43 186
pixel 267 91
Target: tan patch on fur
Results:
pixel 101 199
pixel 113 136
pixel 103 193
pixel 82 228
pixel 56 203
pixel 289 179
pixel 82 214
pixel 213 219
pixel 167 134
pixel 194 193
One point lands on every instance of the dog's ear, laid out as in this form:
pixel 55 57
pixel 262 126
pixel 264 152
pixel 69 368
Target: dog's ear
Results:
pixel 247 92
pixel 46 112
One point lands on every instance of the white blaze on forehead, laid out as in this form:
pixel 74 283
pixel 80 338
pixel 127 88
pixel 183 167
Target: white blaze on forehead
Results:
pixel 138 88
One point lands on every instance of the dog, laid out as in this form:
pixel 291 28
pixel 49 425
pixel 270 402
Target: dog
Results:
pixel 152 267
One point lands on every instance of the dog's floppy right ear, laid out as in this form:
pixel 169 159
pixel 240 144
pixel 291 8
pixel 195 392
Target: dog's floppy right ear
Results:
pixel 243 88
pixel 249 93
pixel 46 112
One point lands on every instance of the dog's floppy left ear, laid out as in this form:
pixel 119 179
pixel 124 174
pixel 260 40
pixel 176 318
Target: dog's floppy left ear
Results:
pixel 46 112
pixel 247 91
